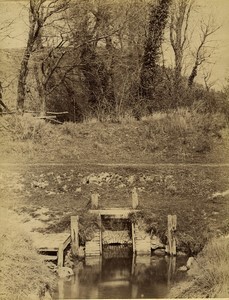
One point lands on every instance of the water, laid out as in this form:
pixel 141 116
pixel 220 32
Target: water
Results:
pixel 121 277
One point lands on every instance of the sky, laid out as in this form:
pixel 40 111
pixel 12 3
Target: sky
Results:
pixel 218 9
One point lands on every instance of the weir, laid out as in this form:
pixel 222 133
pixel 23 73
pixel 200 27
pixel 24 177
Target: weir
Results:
pixel 123 231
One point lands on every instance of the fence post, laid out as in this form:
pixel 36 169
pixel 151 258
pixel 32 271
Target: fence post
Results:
pixel 75 234
pixel 94 201
pixel 134 198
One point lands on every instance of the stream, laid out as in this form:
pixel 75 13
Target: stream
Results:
pixel 121 275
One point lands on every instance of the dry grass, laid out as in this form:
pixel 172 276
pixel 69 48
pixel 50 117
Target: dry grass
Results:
pixel 214 265
pixel 23 271
pixel 209 276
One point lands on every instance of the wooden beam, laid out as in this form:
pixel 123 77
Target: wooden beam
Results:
pixel 60 254
pixel 49 257
pixel 75 234
pixel 119 212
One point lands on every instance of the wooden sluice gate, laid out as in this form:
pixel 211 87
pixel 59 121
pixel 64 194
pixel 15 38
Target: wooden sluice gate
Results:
pixel 141 242
pixel 52 246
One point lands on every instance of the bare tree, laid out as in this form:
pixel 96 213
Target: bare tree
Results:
pixel 179 30
pixel 39 12
pixel 205 50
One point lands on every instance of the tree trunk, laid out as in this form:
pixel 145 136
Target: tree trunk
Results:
pixel 22 81
pixel 192 76
pixel 21 91
pixel 41 90
pixel 158 19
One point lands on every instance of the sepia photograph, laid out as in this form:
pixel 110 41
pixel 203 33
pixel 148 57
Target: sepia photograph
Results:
pixel 114 149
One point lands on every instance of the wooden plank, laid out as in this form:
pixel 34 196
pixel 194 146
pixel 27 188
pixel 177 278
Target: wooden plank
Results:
pixel 50 242
pixel 49 257
pixel 46 249
pixel 67 242
pixel 118 212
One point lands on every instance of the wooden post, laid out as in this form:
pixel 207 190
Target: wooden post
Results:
pixel 75 234
pixel 94 201
pixel 133 238
pixel 60 260
pixel 172 225
pixel 171 269
pixel 134 198
pixel 61 288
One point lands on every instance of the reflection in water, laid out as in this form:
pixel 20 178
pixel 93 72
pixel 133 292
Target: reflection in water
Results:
pixel 120 277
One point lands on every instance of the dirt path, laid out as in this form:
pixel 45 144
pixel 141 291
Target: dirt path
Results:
pixel 125 165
